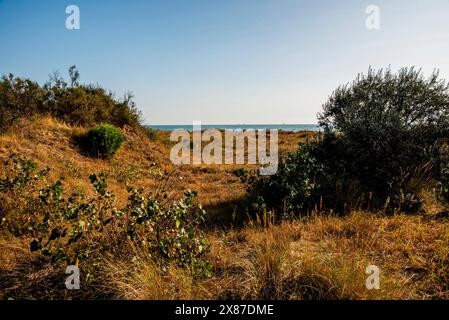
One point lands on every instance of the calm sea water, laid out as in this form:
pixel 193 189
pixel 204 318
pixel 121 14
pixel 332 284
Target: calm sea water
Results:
pixel 284 127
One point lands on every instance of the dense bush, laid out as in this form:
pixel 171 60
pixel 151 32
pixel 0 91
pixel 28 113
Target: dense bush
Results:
pixel 385 139
pixel 387 130
pixel 74 103
pixel 296 186
pixel 104 140
pixel 19 98
pixel 74 228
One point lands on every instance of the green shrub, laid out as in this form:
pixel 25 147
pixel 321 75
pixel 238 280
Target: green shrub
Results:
pixel 297 185
pixel 385 139
pixel 385 130
pixel 175 234
pixel 20 181
pixel 74 103
pixel 104 140
pixel 19 98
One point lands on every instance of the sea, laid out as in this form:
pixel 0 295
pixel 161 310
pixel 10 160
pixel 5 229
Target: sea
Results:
pixel 283 127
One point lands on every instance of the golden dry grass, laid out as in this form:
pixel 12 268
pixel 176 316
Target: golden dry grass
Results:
pixel 322 258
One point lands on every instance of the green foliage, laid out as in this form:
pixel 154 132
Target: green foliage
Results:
pixel 104 140
pixel 242 173
pixel 19 98
pixel 66 222
pixel 384 130
pixel 19 179
pixel 71 227
pixel 296 186
pixel 76 104
pixel 385 139
pixel 25 172
pixel 175 231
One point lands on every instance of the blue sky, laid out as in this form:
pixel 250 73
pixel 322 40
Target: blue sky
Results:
pixel 222 61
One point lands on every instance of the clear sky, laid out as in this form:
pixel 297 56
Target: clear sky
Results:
pixel 222 61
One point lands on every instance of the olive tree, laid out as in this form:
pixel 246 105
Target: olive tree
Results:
pixel 388 130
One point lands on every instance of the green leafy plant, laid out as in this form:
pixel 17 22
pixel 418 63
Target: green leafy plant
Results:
pixel 104 140
pixel 296 186
pixel 66 222
pixel 24 173
pixel 175 234
pixel 18 188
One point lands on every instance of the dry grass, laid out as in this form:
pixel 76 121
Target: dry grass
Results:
pixel 142 279
pixel 326 258
pixel 322 258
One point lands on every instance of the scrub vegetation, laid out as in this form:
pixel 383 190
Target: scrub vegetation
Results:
pixel 83 183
